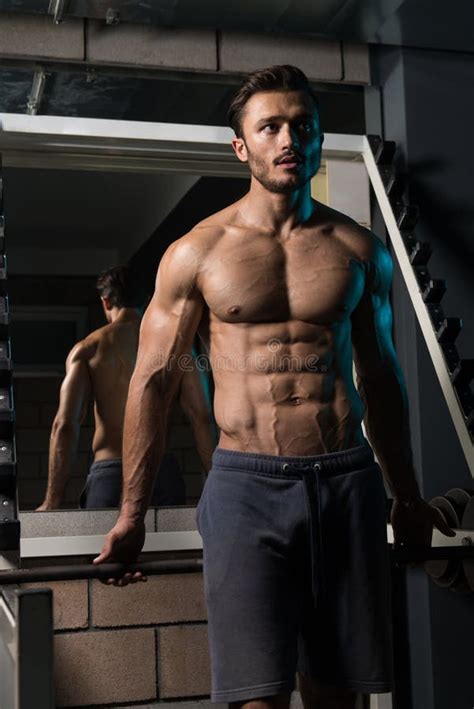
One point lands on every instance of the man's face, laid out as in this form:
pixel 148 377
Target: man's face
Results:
pixel 280 125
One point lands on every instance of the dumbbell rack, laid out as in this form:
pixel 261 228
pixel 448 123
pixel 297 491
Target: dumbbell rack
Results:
pixel 440 332
pixel 9 523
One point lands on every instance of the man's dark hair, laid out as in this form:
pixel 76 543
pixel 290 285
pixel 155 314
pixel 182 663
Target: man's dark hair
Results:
pixel 282 77
pixel 122 287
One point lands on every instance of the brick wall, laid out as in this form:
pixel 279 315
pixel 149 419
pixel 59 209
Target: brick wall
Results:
pixel 144 642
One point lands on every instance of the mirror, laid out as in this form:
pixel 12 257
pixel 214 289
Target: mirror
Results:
pixel 64 227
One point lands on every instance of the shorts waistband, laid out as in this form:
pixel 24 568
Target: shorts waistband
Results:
pixel 106 464
pixel 325 464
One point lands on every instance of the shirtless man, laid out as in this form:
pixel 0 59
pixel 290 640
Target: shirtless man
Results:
pixel 293 513
pixel 100 366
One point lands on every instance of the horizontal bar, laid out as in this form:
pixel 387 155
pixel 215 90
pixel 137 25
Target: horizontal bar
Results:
pixel 68 128
pixel 104 571
pixel 75 572
pixel 134 146
pixel 407 554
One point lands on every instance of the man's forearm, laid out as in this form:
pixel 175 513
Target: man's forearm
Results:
pixel 143 446
pixel 63 443
pixel 387 424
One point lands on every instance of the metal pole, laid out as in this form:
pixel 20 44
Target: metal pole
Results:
pixel 98 571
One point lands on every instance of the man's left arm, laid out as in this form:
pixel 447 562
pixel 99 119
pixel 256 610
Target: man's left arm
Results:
pixel 73 398
pixel 382 388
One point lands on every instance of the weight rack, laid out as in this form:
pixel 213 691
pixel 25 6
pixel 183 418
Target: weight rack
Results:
pixel 9 523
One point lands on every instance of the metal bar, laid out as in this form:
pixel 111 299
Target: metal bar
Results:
pixel 95 144
pixel 399 556
pixel 402 694
pixel 419 306
pixel 34 613
pixel 58 8
pixel 26 648
pixel 73 572
pixel 8 653
pixel 37 91
pixel 407 554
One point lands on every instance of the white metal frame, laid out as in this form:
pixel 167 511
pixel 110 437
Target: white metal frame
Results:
pixel 83 545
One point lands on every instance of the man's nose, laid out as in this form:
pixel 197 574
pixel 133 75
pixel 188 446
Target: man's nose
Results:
pixel 289 138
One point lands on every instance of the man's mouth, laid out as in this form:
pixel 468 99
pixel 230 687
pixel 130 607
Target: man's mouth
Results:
pixel 289 162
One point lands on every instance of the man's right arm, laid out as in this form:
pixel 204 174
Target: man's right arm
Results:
pixel 166 334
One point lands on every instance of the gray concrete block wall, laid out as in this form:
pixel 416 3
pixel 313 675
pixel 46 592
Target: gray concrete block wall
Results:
pixel 152 47
pixel 133 644
pixel 244 52
pixel 149 46
pixel 35 36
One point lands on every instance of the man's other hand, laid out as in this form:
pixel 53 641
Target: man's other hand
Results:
pixel 46 507
pixel 413 521
pixel 123 543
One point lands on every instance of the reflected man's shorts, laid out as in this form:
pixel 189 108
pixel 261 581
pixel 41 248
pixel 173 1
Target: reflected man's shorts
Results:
pixel 103 488
pixel 296 572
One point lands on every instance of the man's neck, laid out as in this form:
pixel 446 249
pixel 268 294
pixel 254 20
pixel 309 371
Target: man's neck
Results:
pixel 124 315
pixel 276 212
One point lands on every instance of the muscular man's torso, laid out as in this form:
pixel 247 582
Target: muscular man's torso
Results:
pixel 280 331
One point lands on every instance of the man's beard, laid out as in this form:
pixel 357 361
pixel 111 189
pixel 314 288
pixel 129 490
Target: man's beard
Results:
pixel 260 170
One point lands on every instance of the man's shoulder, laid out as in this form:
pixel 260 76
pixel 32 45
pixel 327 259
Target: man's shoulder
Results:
pixel 205 234
pixel 364 243
pixel 85 349
pixel 188 253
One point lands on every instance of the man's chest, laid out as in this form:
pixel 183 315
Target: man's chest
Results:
pixel 265 281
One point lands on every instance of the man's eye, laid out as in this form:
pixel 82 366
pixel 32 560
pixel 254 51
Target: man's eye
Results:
pixel 271 126
pixel 306 127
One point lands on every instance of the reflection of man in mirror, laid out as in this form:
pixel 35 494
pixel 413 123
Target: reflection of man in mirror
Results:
pixel 293 512
pixel 99 368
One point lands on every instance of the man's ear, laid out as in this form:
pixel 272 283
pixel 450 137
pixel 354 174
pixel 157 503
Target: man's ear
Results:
pixel 240 149
pixel 106 302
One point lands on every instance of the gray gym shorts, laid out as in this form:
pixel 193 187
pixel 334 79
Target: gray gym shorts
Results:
pixel 296 572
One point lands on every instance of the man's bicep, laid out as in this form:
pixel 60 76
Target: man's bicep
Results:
pixel 371 320
pixel 75 390
pixel 172 317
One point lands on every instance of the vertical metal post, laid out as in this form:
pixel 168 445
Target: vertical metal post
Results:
pixel 402 695
pixel 26 649
pixel 9 523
